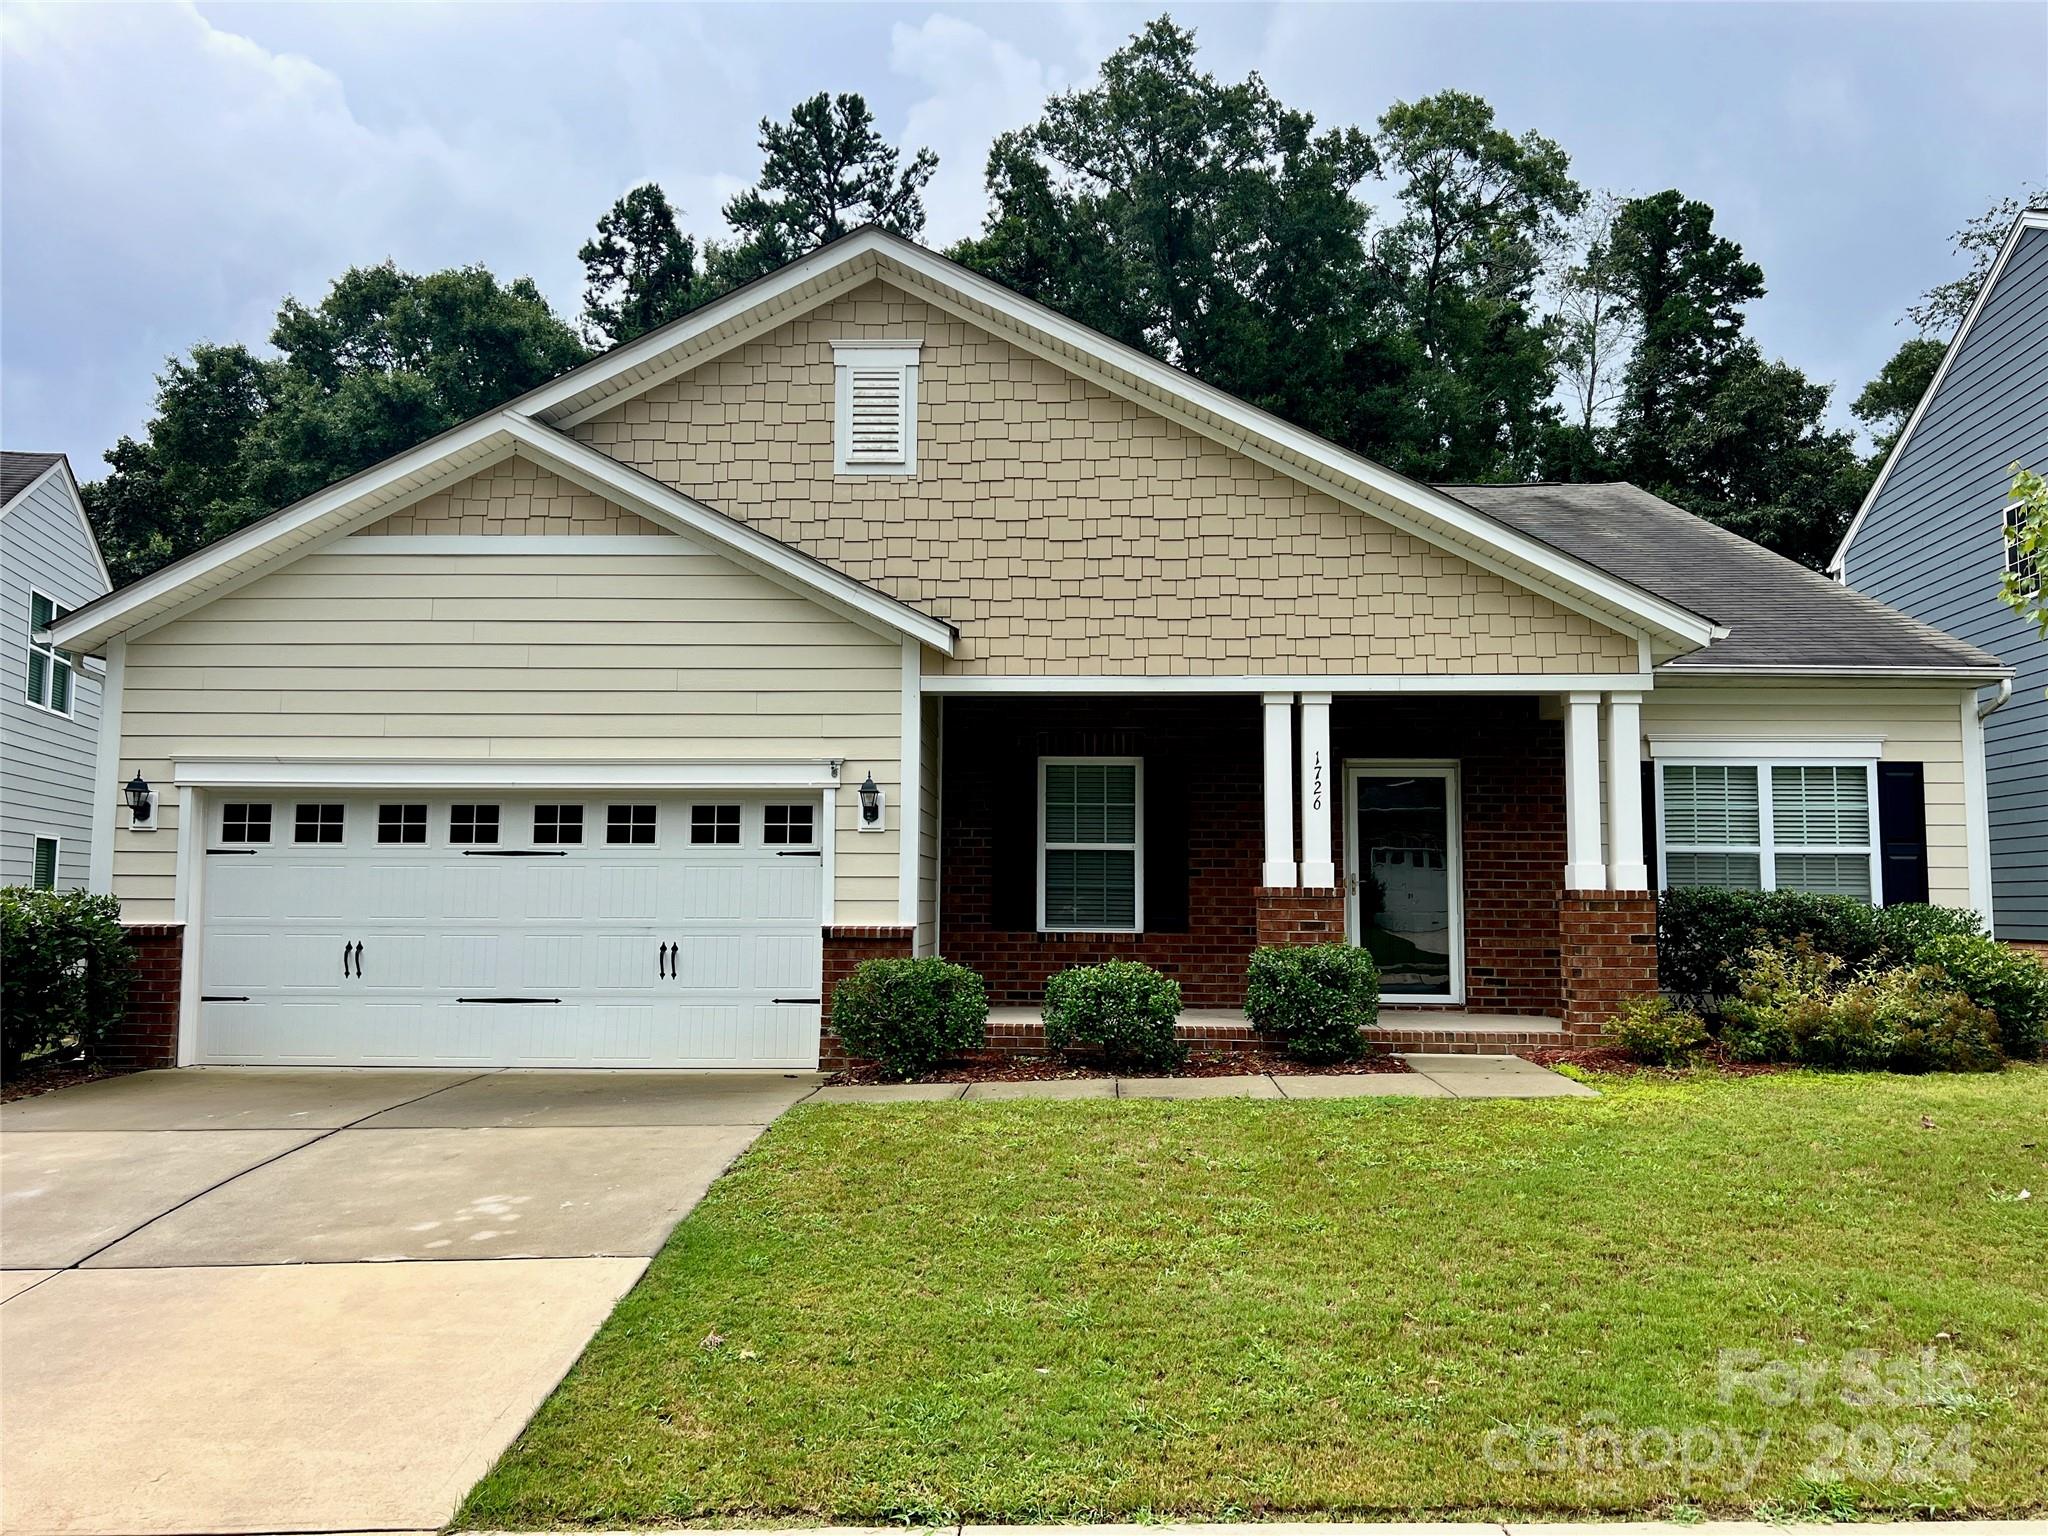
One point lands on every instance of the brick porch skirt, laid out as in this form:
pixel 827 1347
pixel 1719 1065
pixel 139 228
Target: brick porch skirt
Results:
pixel 148 1035
pixel 1607 951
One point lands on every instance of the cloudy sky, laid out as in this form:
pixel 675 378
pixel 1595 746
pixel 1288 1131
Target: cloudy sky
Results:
pixel 168 172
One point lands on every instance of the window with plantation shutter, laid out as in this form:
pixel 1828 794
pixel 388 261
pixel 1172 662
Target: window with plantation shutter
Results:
pixel 1090 856
pixel 1769 826
pixel 875 407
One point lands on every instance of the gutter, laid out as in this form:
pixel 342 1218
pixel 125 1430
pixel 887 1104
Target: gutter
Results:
pixel 1988 707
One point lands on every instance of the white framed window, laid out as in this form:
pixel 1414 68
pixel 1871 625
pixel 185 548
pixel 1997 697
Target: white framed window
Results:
pixel 43 868
pixel 245 822
pixel 785 824
pixel 714 824
pixel 49 669
pixel 1091 836
pixel 319 821
pixel 1769 825
pixel 874 403
pixel 2019 564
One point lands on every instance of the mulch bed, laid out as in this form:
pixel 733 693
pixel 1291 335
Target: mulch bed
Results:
pixel 1037 1069
pixel 46 1074
pixel 1611 1058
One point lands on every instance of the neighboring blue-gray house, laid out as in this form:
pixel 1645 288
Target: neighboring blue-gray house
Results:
pixel 1930 539
pixel 49 701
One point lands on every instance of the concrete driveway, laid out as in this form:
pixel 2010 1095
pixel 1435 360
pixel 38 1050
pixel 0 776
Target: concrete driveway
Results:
pixel 240 1300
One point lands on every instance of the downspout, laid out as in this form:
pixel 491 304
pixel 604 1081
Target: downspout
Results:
pixel 1989 707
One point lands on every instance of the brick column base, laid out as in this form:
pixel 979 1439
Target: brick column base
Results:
pixel 846 947
pixel 147 1035
pixel 1308 915
pixel 1607 953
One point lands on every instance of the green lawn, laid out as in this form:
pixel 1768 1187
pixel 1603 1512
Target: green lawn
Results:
pixel 1234 1309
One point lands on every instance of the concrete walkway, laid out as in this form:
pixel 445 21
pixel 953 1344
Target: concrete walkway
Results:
pixel 1431 1077
pixel 239 1300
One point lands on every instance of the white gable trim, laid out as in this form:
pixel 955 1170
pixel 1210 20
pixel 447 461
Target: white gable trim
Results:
pixel 867 254
pixel 77 502
pixel 322 520
pixel 1838 567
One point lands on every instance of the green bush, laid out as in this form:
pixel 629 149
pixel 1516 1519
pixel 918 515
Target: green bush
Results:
pixel 1125 1008
pixel 910 1015
pixel 1658 1032
pixel 1703 936
pixel 1315 997
pixel 1774 983
pixel 2011 985
pixel 1910 1018
pixel 67 967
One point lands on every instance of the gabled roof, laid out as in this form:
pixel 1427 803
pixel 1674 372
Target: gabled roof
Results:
pixel 443 461
pixel 2031 218
pixel 1780 616
pixel 19 471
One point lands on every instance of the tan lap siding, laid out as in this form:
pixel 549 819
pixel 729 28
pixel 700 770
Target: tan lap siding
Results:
pixel 1069 531
pixel 1919 725
pixel 640 657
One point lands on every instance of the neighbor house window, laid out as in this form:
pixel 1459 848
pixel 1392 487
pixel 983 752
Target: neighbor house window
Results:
pixel 49 669
pixel 714 823
pixel 874 424
pixel 318 823
pixel 784 824
pixel 401 823
pixel 242 822
pixel 1090 871
pixel 554 824
pixel 472 824
pixel 1763 826
pixel 629 823
pixel 43 874
pixel 2019 563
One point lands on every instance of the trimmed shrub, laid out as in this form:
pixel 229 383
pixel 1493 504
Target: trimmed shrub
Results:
pixel 1910 1018
pixel 1315 997
pixel 2011 985
pixel 910 1015
pixel 67 967
pixel 1774 983
pixel 1123 1007
pixel 1658 1032
pixel 1704 936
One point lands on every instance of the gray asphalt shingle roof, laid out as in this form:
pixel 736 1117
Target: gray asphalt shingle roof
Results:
pixel 1778 613
pixel 18 471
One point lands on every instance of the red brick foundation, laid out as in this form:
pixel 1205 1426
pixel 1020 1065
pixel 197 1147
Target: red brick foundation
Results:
pixel 1308 915
pixel 148 1033
pixel 1607 944
pixel 845 948
pixel 2035 947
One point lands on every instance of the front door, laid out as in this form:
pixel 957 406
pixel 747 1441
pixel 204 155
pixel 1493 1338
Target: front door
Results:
pixel 1403 883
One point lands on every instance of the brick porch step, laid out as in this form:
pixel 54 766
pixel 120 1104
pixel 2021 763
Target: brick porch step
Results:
pixel 1018 1031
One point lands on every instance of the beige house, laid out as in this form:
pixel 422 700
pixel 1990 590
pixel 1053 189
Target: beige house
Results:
pixel 874 609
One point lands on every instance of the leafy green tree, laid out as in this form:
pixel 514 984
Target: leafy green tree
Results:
pixel 1197 219
pixel 1481 213
pixel 640 270
pixel 826 172
pixel 1889 400
pixel 384 361
pixel 2021 588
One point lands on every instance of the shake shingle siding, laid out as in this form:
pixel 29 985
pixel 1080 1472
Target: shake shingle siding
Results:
pixel 46 760
pixel 1931 544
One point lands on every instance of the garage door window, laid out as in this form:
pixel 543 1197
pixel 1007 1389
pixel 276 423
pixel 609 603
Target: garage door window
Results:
pixel 629 824
pixel 714 824
pixel 786 824
pixel 472 824
pixel 554 824
pixel 244 823
pixel 318 823
pixel 401 823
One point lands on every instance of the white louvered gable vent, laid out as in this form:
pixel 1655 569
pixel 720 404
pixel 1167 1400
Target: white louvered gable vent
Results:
pixel 875 406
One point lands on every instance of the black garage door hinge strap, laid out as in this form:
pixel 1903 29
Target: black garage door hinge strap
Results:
pixel 796 1000
pixel 209 998
pixel 508 999
pixel 515 853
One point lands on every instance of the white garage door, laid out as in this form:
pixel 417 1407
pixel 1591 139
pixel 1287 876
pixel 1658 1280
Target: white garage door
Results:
pixel 591 931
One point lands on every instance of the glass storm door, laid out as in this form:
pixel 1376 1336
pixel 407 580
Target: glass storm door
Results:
pixel 1402 878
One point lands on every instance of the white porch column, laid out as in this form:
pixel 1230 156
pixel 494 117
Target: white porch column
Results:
pixel 1626 870
pixel 1584 868
pixel 1318 869
pixel 1279 868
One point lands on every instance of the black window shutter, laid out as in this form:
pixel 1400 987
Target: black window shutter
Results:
pixel 1651 851
pixel 1902 830
pixel 1166 844
pixel 1013 840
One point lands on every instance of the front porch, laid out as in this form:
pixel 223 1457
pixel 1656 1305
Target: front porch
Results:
pixel 1462 837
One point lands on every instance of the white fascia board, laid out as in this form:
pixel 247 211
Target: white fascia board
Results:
pixel 629 487
pixel 326 512
pixel 28 490
pixel 430 775
pixel 1838 565
pixel 1286 685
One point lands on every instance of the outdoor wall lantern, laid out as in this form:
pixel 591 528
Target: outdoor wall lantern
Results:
pixel 870 805
pixel 141 803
